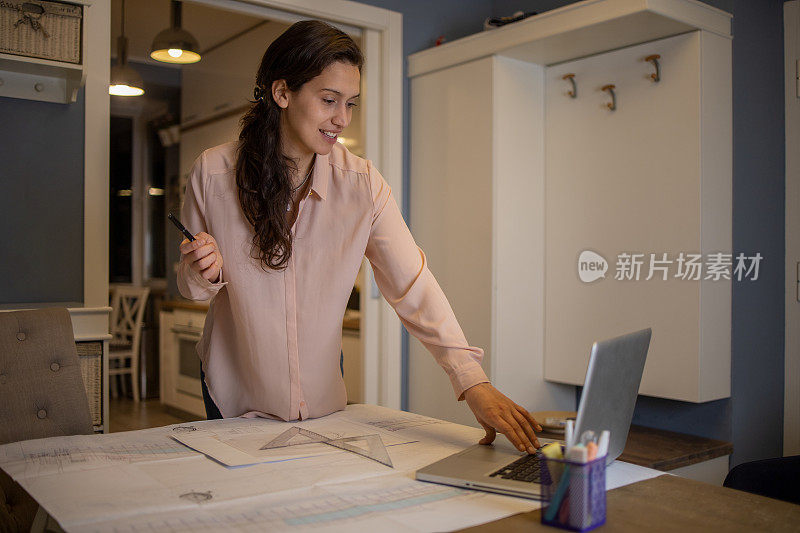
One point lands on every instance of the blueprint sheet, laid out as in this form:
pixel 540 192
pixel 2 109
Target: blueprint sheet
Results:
pixel 237 447
pixel 148 481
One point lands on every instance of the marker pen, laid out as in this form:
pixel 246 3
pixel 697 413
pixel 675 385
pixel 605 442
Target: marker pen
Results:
pixel 180 227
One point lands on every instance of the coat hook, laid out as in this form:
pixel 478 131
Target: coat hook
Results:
pixel 571 77
pixel 610 88
pixel 656 77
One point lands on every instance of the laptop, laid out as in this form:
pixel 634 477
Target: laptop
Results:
pixel 609 396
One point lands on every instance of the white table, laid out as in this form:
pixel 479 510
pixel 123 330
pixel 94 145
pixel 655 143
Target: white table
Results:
pixel 147 481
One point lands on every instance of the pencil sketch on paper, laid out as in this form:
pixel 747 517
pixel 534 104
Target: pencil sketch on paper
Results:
pixel 399 423
pixel 370 446
pixel 197 497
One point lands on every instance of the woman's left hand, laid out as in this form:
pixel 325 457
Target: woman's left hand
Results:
pixel 496 412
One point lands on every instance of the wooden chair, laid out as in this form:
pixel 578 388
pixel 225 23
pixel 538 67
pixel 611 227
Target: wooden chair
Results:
pixel 127 312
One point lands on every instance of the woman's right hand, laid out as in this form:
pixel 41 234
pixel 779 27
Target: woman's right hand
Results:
pixel 203 256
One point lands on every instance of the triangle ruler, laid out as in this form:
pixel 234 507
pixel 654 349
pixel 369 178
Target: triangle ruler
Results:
pixel 373 447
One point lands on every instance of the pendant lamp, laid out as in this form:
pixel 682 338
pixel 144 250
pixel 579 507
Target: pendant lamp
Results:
pixel 125 81
pixel 175 45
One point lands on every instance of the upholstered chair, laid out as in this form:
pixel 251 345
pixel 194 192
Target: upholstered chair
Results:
pixel 41 394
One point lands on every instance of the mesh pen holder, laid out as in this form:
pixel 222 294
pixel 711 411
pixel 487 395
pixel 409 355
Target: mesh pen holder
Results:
pixel 574 494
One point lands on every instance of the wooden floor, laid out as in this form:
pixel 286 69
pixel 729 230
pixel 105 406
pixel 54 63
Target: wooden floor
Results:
pixel 127 415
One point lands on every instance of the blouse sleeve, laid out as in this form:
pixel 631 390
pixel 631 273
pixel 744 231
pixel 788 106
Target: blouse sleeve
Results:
pixel 193 215
pixel 403 277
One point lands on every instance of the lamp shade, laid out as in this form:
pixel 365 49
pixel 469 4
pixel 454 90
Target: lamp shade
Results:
pixel 175 45
pixel 124 80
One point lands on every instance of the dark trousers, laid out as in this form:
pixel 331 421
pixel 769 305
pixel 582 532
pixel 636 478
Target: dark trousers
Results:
pixel 212 411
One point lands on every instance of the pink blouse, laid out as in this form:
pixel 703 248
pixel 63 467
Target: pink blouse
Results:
pixel 272 339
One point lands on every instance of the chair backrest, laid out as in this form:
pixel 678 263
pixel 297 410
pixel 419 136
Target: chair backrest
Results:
pixel 128 304
pixel 41 389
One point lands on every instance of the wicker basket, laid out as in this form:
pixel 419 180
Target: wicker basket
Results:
pixel 90 357
pixel 53 30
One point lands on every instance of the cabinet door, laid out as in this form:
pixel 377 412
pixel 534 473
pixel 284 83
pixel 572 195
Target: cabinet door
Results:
pixel 353 366
pixel 651 177
pixel 203 137
pixel 167 356
pixel 451 215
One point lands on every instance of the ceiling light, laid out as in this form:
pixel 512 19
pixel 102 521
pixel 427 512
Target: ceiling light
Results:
pixel 175 45
pixel 125 81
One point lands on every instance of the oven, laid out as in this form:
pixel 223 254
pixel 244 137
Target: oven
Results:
pixel 180 365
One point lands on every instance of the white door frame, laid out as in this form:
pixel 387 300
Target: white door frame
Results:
pixel 97 116
pixel 791 406
pixel 383 73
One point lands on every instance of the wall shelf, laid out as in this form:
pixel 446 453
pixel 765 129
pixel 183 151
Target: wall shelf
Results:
pixel 40 79
pixel 33 78
pixel 577 30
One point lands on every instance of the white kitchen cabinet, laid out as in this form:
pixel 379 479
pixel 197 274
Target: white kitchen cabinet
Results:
pixel 181 326
pixel 223 80
pixel 477 176
pixel 353 363
pixel 652 177
pixel 511 179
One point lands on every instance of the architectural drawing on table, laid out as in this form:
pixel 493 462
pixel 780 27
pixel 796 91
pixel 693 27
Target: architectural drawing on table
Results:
pixel 373 444
pixel 369 501
pixel 400 423
pixel 335 506
pixel 82 452
pixel 184 429
pixel 238 443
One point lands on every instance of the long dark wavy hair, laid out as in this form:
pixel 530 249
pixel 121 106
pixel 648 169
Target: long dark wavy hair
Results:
pixel 263 172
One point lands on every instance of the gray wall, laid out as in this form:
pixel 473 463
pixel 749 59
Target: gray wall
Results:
pixel 757 325
pixel 41 175
pixel 41 208
pixel 753 417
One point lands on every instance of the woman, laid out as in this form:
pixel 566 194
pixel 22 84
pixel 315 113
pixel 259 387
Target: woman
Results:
pixel 290 213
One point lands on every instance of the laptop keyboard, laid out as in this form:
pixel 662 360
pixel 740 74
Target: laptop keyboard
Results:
pixel 526 468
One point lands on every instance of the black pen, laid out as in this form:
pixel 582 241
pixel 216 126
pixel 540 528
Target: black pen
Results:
pixel 180 227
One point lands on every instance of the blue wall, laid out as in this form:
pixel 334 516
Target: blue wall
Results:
pixel 753 417
pixel 41 208
pixel 757 325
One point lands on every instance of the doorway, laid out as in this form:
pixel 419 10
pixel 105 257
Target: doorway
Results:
pixel 378 33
